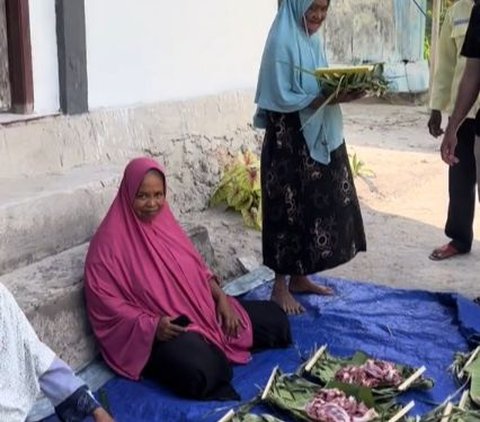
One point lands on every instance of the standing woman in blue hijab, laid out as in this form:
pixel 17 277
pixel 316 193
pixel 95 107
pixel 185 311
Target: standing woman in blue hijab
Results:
pixel 311 214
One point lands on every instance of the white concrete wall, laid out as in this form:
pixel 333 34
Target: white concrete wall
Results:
pixel 388 31
pixel 147 51
pixel 44 56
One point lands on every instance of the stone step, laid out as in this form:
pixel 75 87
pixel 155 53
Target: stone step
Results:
pixel 44 215
pixel 50 292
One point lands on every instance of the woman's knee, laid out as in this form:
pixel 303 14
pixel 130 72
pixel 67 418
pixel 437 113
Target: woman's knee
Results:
pixel 271 327
pixel 279 326
pixel 192 367
pixel 202 376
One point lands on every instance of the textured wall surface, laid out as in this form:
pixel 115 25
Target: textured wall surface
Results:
pixel 372 30
pixel 4 82
pixel 193 139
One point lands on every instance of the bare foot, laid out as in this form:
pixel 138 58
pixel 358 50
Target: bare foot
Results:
pixel 100 415
pixel 282 296
pixel 303 285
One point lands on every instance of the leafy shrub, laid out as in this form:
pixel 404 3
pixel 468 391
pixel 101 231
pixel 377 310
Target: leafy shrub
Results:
pixel 359 168
pixel 240 189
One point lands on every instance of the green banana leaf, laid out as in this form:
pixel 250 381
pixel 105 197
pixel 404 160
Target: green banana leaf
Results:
pixel 459 365
pixel 468 414
pixel 328 365
pixel 292 393
pixel 250 417
pixel 474 374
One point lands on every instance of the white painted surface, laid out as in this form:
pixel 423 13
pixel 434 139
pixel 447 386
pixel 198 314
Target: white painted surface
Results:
pixel 44 56
pixel 147 51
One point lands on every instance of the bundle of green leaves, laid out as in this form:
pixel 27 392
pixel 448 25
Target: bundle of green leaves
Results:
pixel 328 366
pixel 250 417
pixel 369 78
pixel 466 368
pixel 240 189
pixel 295 395
pixel 454 414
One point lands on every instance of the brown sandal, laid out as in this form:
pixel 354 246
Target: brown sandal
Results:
pixel 444 252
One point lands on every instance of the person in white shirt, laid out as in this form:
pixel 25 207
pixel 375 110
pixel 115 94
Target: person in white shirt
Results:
pixel 28 367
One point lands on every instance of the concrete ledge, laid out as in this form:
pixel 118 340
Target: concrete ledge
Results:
pixel 45 215
pixel 50 292
pixel 60 143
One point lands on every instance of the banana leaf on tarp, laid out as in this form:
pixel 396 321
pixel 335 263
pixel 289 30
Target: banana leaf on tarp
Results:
pixel 382 377
pixel 250 417
pixel 448 412
pixel 466 368
pixel 307 401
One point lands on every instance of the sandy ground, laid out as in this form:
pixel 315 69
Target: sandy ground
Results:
pixel 404 207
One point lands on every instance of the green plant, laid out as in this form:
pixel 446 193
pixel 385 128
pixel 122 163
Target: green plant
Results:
pixel 426 48
pixel 359 168
pixel 240 189
pixel 368 78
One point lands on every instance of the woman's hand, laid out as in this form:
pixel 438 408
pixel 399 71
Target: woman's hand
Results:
pixel 229 320
pixel 100 415
pixel 347 96
pixel 341 97
pixel 166 330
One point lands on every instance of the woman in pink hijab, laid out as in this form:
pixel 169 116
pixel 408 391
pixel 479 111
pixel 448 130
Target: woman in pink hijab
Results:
pixel 156 308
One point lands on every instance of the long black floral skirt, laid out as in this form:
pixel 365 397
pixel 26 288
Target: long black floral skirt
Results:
pixel 311 214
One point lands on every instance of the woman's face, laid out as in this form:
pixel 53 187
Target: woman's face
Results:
pixel 150 196
pixel 315 15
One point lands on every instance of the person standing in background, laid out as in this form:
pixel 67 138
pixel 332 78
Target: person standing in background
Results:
pixel 462 177
pixel 468 93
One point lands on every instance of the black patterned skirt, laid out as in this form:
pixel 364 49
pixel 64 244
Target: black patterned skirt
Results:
pixel 311 214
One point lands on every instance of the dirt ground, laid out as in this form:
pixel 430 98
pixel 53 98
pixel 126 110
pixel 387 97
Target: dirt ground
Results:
pixel 404 207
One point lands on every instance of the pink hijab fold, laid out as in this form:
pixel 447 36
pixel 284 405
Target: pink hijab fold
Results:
pixel 136 272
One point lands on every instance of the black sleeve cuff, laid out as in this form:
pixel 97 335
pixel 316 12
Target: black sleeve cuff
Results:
pixel 78 406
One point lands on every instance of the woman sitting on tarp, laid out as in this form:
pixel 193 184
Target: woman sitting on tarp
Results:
pixel 28 366
pixel 156 308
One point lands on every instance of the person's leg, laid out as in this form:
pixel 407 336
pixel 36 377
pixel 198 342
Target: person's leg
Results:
pixel 192 368
pixel 271 328
pixel 477 161
pixel 303 285
pixel 283 297
pixel 461 187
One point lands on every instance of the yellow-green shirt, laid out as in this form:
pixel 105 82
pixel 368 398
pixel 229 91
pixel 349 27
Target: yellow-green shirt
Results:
pixel 450 63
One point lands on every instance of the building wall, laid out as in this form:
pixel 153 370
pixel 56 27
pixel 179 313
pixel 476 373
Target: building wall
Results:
pixel 43 37
pixel 150 51
pixel 183 72
pixel 4 81
pixel 369 30
pixel 389 31
pixel 147 51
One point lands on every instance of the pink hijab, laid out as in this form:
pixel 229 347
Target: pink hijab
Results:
pixel 137 272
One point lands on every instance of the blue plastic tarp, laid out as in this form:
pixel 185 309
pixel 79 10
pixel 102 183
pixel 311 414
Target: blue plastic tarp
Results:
pixel 410 327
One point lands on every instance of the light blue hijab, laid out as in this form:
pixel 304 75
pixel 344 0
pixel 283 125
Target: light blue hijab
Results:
pixel 283 88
